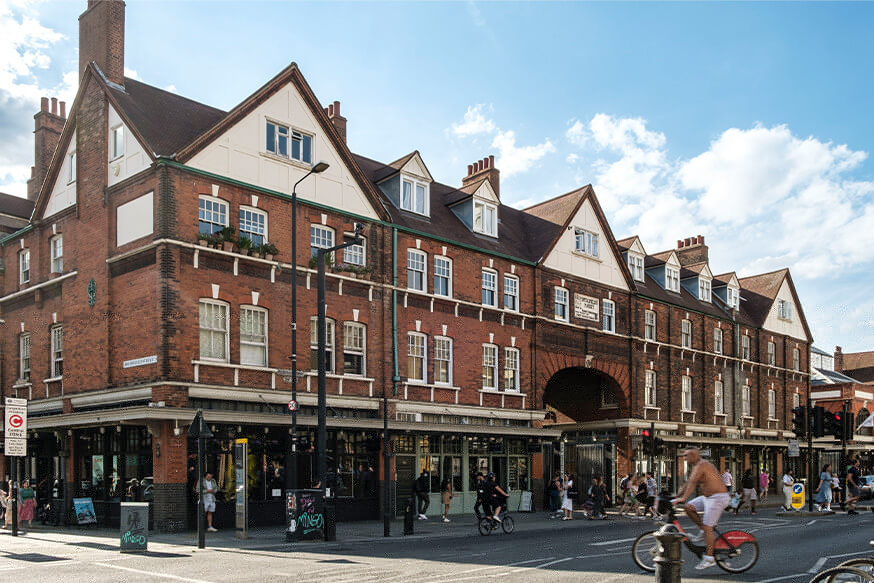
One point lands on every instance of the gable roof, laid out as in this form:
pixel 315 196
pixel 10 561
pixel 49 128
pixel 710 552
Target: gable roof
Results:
pixel 724 279
pixel 759 292
pixel 856 360
pixel 15 206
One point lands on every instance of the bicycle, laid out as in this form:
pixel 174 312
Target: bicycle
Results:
pixel 849 571
pixel 735 551
pixel 488 523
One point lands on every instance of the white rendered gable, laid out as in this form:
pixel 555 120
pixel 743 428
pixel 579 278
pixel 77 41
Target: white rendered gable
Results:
pixel 792 327
pixel 673 261
pixel 606 268
pixel 637 247
pixel 133 160
pixel 487 193
pixel 240 153
pixel 63 193
pixel 415 166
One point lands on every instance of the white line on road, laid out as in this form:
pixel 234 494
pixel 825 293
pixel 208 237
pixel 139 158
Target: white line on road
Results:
pixel 811 522
pixel 543 565
pixel 152 573
pixel 784 577
pixel 612 542
pixel 492 567
pixel 818 565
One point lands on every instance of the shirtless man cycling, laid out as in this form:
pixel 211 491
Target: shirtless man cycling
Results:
pixel 711 504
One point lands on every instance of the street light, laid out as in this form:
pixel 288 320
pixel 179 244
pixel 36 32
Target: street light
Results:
pixel 291 468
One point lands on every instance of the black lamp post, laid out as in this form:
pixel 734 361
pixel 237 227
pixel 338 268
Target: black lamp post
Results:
pixel 291 465
pixel 322 437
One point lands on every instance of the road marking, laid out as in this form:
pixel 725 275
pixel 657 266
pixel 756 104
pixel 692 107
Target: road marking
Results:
pixel 612 542
pixel 818 565
pixel 492 567
pixel 811 522
pixel 783 578
pixel 152 573
pixel 543 565
pixel 595 556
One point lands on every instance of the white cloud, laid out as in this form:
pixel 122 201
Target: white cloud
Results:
pixel 131 74
pixel 474 123
pixel 512 159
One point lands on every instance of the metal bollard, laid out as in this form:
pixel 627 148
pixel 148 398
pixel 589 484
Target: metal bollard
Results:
pixel 669 563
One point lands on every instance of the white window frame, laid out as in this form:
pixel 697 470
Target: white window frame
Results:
pixel 512 357
pixel 772 353
pixel 796 400
pixel 745 404
pixel 772 404
pixel 686 394
pixel 686 334
pixel 718 344
pixel 321 237
pixel 719 397
pixel 649 325
pixel 443 271
pixel 784 310
pixel 24 356
pixel 561 298
pixel 731 296
pixel 414 341
pixel 56 253
pixel 608 316
pixel 745 350
pixel 355 254
pixel 672 279
pixel 796 359
pixel 489 275
pixel 635 265
pixel 291 134
pixel 415 185
pixel 353 348
pixel 511 290
pixel 490 367
pixel 116 142
pixel 417 262
pixel 483 213
pixel 704 290
pixel 71 167
pixel 254 341
pixel 251 234
pixel 24 266
pixel 212 216
pixel 586 242
pixel 214 331
pixel 57 351
pixel 650 388
pixel 443 353
pixel 330 347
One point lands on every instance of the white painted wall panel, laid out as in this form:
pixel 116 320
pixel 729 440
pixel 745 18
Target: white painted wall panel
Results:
pixel 792 327
pixel 63 194
pixel 134 219
pixel 135 158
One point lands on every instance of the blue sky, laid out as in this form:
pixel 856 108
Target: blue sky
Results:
pixel 748 123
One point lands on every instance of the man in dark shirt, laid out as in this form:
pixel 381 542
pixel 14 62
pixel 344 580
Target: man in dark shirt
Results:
pixel 854 477
pixel 420 487
pixel 748 483
pixel 482 506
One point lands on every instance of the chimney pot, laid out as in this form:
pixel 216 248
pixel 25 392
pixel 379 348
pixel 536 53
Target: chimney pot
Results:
pixel 330 110
pixel 687 242
pixel 469 169
pixel 64 109
pixel 44 104
pixel 491 161
pixel 679 243
pixel 54 106
pixel 701 239
pixel 336 108
pixel 481 165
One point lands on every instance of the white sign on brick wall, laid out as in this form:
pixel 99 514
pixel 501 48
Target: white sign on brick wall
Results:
pixel 586 308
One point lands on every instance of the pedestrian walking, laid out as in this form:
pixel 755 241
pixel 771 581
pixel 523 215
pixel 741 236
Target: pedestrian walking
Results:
pixel 446 496
pixel 854 475
pixel 554 492
pixel 788 481
pixel 824 489
pixel 764 484
pixel 481 507
pixel 748 484
pixel 420 487
pixel 208 501
pixel 4 506
pixel 567 504
pixel 837 491
pixel 727 480
pixel 598 495
pixel 27 503
pixel 651 491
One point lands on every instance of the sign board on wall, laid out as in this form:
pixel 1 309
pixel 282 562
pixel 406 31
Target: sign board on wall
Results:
pixel 586 308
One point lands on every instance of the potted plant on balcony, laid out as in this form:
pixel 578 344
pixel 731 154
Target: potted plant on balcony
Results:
pixel 214 240
pixel 203 239
pixel 227 237
pixel 244 245
pixel 329 261
pixel 270 251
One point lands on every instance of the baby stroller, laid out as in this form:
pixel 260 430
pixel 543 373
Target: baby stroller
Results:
pixel 588 507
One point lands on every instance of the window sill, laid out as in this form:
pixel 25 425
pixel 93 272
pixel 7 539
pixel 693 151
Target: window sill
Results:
pixel 692 411
pixel 22 383
pixel 290 161
pixel 53 379
pixel 609 407
pixel 652 407
pixel 433 386
pixel 587 256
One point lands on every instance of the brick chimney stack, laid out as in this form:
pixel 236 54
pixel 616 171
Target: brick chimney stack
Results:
pixel 48 125
pixel 484 168
pixel 692 250
pixel 101 38
pixel 333 111
pixel 839 359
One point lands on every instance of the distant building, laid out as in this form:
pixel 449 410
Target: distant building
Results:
pixel 859 365
pixel 14 213
pixel 831 388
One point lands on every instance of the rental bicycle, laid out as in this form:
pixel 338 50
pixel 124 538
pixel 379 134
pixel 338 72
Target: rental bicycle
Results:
pixel 735 551
pixel 488 523
pixel 858 570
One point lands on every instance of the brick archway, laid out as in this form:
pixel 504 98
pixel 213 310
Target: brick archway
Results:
pixel 579 394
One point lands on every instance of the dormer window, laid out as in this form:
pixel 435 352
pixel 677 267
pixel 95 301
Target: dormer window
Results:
pixel 414 196
pixel 289 143
pixel 731 297
pixel 703 289
pixel 485 218
pixel 784 310
pixel 672 279
pixel 635 265
pixel 586 242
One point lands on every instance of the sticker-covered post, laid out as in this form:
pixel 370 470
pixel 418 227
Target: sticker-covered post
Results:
pixel 15 446
pixel 241 504
pixel 199 430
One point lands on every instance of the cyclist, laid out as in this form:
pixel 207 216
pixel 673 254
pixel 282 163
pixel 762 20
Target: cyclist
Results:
pixel 497 495
pixel 711 504
pixel 482 501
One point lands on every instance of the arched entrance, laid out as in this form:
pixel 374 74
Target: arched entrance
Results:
pixel 579 395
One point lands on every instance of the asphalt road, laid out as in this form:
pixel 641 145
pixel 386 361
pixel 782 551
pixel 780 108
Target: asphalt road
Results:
pixel 791 550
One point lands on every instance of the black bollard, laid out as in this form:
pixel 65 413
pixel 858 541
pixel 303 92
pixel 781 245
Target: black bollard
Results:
pixel 669 563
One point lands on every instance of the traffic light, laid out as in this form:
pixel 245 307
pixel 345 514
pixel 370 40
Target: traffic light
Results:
pixel 658 445
pixel 837 425
pixel 818 421
pixel 647 442
pixel 849 425
pixel 799 422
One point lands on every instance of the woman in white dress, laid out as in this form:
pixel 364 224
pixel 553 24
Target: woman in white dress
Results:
pixel 567 504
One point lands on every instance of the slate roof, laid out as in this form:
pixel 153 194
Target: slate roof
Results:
pixel 625 244
pixel 832 377
pixel 759 292
pixel 855 360
pixel 15 206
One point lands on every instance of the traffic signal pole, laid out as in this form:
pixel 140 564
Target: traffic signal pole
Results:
pixel 844 430
pixel 809 454
pixel 651 448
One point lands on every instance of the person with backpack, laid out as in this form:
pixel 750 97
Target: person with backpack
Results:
pixel 598 495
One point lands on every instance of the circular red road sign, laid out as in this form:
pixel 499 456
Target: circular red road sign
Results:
pixel 292 405
pixel 16 420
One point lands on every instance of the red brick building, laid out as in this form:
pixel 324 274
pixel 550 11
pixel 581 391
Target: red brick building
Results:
pixel 517 341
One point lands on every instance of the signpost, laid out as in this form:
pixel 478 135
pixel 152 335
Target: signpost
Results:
pixel 241 506
pixel 797 496
pixel 794 450
pixel 15 445
pixel 199 430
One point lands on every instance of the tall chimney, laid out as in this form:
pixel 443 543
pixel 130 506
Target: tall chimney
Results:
pixel 101 38
pixel 333 111
pixel 692 250
pixel 48 126
pixel 484 168
pixel 839 359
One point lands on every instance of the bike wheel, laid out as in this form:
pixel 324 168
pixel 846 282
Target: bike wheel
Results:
pixel 485 526
pixel 862 564
pixel 844 575
pixel 508 525
pixel 644 551
pixel 739 558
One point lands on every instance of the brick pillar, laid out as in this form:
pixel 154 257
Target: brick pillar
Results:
pixel 170 457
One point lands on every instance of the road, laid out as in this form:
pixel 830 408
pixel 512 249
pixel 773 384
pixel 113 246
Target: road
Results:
pixel 541 550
